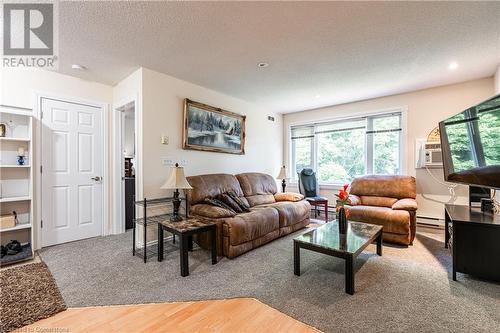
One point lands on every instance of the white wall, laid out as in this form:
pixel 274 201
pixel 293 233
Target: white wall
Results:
pixel 129 134
pixel 497 81
pixel 18 88
pixel 425 109
pixel 162 114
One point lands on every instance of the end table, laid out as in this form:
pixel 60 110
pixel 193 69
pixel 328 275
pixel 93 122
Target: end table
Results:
pixel 185 229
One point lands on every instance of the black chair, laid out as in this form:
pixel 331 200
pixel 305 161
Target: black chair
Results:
pixel 309 187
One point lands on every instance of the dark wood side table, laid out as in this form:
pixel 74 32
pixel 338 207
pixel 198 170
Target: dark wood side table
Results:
pixel 185 229
pixel 473 237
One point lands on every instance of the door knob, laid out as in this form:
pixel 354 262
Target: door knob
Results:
pixel 96 178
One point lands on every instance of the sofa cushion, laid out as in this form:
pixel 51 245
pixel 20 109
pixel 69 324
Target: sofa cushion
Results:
pixel 210 186
pixel 392 186
pixel 258 188
pixel 260 199
pixel 393 221
pixel 288 196
pixel 252 225
pixel 211 211
pixel 377 201
pixel 292 212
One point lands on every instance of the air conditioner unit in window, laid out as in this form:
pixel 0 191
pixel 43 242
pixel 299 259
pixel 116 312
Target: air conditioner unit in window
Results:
pixel 428 154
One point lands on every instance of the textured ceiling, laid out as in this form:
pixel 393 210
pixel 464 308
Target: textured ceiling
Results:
pixel 320 53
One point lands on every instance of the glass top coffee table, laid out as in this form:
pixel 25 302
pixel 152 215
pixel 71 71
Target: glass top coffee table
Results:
pixel 326 239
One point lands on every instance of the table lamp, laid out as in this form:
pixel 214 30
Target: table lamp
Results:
pixel 282 177
pixel 175 181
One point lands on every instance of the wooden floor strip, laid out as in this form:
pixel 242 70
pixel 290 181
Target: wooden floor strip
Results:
pixel 230 315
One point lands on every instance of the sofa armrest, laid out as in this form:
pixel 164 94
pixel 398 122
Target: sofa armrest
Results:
pixel 288 196
pixel 209 211
pixel 354 200
pixel 405 204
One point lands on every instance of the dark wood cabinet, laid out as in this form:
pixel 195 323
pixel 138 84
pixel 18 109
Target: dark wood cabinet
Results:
pixel 473 238
pixel 129 202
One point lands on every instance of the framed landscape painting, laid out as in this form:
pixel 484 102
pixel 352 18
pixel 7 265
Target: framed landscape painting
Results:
pixel 212 129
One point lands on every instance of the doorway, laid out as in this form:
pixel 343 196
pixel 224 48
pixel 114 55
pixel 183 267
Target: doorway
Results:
pixel 128 161
pixel 72 166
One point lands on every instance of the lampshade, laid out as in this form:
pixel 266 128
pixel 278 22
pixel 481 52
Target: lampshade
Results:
pixel 176 180
pixel 282 174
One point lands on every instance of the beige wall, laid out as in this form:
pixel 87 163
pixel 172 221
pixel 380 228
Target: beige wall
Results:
pixel 497 81
pixel 425 109
pixel 162 114
pixel 18 87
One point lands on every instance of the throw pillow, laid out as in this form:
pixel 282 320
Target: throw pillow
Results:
pixel 288 196
pixel 218 203
pixel 244 205
pixel 225 198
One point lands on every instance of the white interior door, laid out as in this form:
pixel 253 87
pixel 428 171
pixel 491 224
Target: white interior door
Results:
pixel 72 193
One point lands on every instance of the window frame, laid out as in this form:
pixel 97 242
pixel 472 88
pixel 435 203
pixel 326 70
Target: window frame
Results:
pixel 369 167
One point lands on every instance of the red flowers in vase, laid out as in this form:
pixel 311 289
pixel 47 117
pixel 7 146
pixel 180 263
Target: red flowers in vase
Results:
pixel 343 199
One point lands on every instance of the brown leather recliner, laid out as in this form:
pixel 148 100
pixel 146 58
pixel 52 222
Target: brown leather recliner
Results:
pixel 239 233
pixel 388 201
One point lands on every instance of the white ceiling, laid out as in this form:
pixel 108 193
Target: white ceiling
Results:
pixel 343 52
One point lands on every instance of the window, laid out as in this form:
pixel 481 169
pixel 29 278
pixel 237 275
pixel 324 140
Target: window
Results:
pixel 344 149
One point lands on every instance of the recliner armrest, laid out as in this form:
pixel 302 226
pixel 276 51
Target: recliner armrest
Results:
pixel 405 204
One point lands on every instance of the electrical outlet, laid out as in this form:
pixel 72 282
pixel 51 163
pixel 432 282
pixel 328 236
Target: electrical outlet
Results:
pixel 164 140
pixel 167 161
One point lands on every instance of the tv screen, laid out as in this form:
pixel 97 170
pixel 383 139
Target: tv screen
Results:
pixel 470 143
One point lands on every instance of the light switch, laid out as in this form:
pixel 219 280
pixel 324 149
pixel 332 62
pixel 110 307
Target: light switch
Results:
pixel 164 140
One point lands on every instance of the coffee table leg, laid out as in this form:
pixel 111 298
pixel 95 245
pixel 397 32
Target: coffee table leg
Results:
pixel 160 242
pixel 349 275
pixel 326 212
pixel 183 249
pixel 379 245
pixel 190 243
pixel 213 245
pixel 296 258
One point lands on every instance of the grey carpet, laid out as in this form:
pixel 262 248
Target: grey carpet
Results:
pixel 407 289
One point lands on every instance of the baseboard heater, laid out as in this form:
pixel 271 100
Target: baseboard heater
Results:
pixel 430 221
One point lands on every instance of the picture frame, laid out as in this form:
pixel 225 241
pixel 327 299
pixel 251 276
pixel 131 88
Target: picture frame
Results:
pixel 207 128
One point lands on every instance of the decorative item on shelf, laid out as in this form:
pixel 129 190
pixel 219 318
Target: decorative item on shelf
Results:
pixel 282 177
pixel 176 181
pixel 8 221
pixel 20 156
pixel 2 130
pixel 343 213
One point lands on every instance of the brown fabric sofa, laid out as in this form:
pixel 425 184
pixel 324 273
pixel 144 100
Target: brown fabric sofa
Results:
pixel 388 201
pixel 240 233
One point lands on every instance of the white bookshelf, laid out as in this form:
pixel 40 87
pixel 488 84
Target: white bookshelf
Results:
pixel 16 181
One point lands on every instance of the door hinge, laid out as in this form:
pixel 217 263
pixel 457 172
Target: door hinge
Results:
pixel 41 169
pixel 41 223
pixel 41 114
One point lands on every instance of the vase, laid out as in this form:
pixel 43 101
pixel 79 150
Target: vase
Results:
pixel 342 220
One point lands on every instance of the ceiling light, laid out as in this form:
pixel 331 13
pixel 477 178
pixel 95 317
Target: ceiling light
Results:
pixel 452 66
pixel 78 67
pixel 263 64
pixel 317 96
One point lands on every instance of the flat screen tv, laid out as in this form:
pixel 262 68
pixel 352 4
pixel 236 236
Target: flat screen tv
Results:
pixel 470 143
